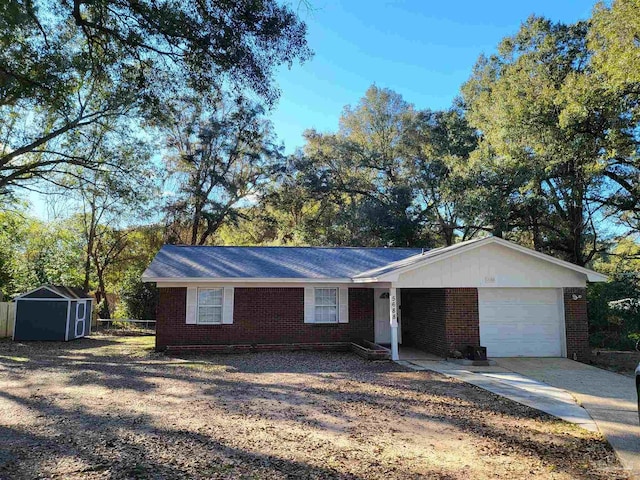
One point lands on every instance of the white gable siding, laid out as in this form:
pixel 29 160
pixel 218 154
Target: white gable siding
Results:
pixel 491 265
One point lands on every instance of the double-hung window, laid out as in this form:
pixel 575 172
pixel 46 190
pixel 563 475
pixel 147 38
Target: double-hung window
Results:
pixel 326 305
pixel 210 305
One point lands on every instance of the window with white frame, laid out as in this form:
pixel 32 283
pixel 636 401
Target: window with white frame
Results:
pixel 326 305
pixel 210 305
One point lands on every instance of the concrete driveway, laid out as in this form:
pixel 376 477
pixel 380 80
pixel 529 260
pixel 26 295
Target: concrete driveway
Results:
pixel 609 398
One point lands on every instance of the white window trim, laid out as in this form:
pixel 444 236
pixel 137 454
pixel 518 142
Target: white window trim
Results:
pixel 337 305
pixel 221 306
pixel 84 310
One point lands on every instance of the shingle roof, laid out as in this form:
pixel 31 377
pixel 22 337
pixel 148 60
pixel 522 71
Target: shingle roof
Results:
pixel 69 292
pixel 181 262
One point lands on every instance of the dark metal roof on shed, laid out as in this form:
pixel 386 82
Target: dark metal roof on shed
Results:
pixel 49 291
pixel 69 292
pixel 181 262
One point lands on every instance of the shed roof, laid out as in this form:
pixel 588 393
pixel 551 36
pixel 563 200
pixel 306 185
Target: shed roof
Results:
pixel 182 262
pixel 72 293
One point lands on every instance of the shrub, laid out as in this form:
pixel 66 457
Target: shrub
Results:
pixel 140 299
pixel 614 312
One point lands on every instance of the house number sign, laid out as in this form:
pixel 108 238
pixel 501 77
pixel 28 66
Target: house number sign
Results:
pixel 394 314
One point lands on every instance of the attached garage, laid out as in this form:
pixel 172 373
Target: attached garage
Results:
pixel 525 322
pixel 492 293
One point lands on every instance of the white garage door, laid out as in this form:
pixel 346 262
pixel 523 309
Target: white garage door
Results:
pixel 521 322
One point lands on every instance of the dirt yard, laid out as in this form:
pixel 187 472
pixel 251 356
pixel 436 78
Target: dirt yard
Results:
pixel 109 407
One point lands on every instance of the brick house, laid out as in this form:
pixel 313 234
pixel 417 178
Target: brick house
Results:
pixel 489 292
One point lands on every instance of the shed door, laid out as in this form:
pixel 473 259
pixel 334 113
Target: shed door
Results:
pixel 521 322
pixel 81 315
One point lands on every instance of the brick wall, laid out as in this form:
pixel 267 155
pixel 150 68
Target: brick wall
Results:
pixel 438 320
pixel 577 324
pixel 262 315
pixel 423 319
pixel 462 318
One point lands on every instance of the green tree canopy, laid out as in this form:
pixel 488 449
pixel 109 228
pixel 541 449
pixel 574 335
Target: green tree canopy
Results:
pixel 220 154
pixel 553 132
pixel 68 65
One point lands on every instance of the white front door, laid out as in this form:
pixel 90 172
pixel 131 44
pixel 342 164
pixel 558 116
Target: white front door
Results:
pixel 382 325
pixel 381 314
pixel 521 322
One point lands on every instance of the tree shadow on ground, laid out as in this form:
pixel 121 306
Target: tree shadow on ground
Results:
pixel 92 442
pixel 237 386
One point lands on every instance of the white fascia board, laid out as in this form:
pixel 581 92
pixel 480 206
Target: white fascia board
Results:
pixel 64 299
pixel 187 280
pixel 328 283
pixel 42 286
pixel 384 280
pixel 43 299
pixel 392 276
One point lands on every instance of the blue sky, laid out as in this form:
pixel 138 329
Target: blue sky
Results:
pixel 422 49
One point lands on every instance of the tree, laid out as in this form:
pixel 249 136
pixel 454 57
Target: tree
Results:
pixel 109 248
pixel 548 127
pixel 360 175
pixel 107 202
pixel 614 39
pixel 46 253
pixel 65 66
pixel 441 148
pixel 12 234
pixel 140 299
pixel 220 154
pixel 386 177
pixel 614 306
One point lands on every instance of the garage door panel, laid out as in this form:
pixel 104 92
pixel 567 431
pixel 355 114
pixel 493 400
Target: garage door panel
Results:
pixel 520 322
pixel 518 296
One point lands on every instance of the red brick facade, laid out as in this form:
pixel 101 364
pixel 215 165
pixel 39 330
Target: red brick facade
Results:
pixel 463 318
pixel 262 316
pixel 576 324
pixel 424 325
pixel 439 320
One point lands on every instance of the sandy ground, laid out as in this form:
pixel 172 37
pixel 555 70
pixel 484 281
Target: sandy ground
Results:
pixel 110 407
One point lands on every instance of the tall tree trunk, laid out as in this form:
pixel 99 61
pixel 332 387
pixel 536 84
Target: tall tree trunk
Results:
pixel 195 223
pixel 91 235
pixel 447 234
pixel 102 293
pixel 576 218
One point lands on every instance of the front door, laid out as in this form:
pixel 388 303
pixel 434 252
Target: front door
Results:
pixel 381 315
pixel 382 324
